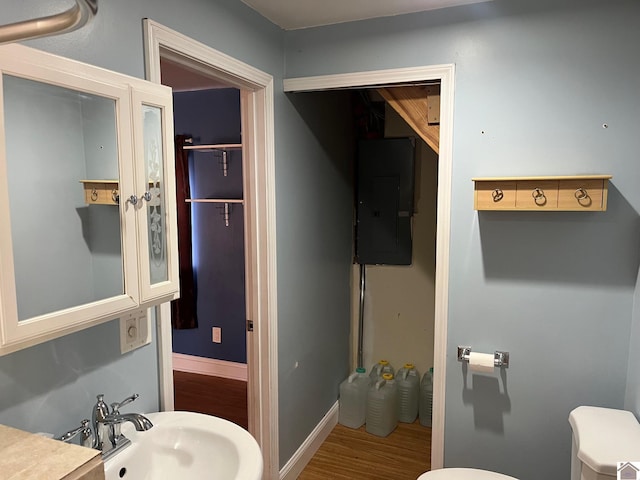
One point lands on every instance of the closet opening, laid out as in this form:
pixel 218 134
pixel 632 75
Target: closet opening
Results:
pixel 397 301
pixel 394 175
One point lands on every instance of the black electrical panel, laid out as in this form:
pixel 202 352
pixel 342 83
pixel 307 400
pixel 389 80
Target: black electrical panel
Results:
pixel 385 190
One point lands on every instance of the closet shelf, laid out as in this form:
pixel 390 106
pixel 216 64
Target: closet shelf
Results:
pixel 218 146
pixel 214 200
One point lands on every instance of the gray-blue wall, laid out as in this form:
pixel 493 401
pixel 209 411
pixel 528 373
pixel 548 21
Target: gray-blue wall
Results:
pixel 52 386
pixel 313 230
pixel 539 79
pixel 213 117
pixel 535 82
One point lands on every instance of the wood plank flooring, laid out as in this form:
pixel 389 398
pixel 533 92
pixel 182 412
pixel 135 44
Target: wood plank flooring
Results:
pixel 349 454
pixel 221 397
pixel 346 454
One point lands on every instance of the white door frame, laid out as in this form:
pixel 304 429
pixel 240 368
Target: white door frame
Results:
pixel 446 75
pixel 256 99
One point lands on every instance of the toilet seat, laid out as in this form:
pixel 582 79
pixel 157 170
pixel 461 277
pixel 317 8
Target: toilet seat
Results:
pixel 463 474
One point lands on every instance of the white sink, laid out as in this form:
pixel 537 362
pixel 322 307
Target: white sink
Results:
pixel 185 445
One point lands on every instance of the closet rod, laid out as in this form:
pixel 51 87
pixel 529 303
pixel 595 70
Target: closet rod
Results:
pixel 214 200
pixel 72 19
pixel 220 146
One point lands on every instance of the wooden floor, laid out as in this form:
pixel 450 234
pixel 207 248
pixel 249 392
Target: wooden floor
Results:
pixel 349 454
pixel 346 454
pixel 221 397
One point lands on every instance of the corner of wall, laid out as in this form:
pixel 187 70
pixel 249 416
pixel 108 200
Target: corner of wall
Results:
pixel 632 391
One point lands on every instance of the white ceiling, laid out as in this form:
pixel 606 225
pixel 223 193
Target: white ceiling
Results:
pixel 294 14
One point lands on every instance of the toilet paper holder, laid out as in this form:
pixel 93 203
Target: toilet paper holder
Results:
pixel 500 359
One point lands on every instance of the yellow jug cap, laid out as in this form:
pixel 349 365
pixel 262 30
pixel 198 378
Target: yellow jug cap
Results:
pixel 408 366
pixel 387 376
pixel 383 362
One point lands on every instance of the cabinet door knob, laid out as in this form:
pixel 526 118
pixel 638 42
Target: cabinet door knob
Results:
pixel 146 196
pixel 133 200
pixel 497 195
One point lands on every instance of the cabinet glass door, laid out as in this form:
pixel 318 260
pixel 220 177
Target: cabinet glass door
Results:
pixel 61 254
pixel 153 159
pixel 155 168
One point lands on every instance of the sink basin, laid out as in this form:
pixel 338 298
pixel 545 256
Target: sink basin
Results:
pixel 187 445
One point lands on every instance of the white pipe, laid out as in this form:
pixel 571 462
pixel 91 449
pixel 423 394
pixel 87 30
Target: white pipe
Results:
pixel 74 18
pixel 361 317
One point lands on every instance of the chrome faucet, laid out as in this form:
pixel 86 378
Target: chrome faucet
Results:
pixel 99 413
pixel 106 425
pixel 140 422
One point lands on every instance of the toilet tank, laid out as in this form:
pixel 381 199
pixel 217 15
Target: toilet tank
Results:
pixel 602 437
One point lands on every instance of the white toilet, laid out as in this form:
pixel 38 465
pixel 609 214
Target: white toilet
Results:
pixel 602 437
pixel 463 474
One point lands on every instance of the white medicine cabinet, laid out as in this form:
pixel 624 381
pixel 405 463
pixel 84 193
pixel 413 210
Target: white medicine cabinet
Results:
pixel 87 196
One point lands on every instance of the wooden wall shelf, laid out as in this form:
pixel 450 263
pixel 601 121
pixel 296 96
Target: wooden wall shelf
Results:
pixel 549 193
pixel 101 192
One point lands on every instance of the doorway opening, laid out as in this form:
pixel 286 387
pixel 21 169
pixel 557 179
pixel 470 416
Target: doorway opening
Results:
pixel 257 146
pixel 444 74
pixel 209 334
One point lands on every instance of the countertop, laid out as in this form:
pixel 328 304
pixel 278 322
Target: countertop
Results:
pixel 26 456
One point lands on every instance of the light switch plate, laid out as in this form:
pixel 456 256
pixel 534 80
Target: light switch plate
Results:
pixel 135 330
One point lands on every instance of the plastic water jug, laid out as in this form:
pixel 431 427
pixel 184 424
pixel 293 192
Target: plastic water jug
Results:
pixel 353 399
pixel 383 366
pixel 426 398
pixel 408 381
pixel 382 406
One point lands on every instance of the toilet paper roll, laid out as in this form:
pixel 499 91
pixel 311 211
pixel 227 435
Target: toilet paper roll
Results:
pixel 481 362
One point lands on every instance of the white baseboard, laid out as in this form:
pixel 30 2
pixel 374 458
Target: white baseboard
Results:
pixel 209 366
pixel 309 447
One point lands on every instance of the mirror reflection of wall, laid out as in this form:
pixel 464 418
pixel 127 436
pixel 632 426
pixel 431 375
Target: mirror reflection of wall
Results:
pixel 65 252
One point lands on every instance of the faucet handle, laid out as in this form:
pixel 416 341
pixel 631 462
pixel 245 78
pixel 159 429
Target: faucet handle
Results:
pixel 86 438
pixel 115 410
pixel 86 434
pixel 115 407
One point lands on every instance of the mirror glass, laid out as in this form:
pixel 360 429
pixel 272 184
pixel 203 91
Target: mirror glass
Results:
pixel 66 252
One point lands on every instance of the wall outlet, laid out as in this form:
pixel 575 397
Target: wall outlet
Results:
pixel 216 333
